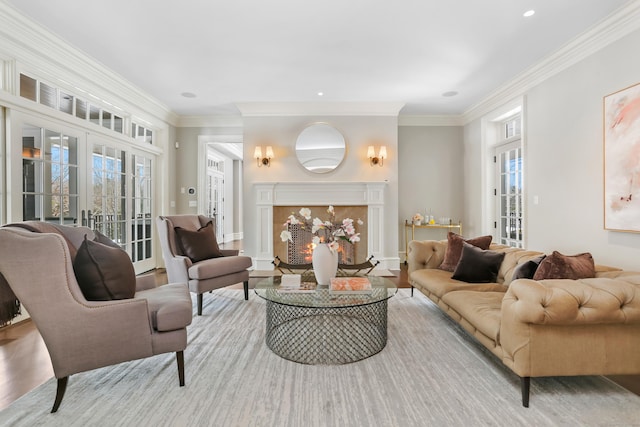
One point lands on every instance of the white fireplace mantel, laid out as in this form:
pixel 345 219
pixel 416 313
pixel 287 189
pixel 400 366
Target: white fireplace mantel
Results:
pixel 268 195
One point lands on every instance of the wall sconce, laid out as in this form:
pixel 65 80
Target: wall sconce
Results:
pixel 30 152
pixel 379 159
pixel 266 160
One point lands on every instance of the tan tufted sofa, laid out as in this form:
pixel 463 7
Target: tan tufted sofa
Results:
pixel 539 328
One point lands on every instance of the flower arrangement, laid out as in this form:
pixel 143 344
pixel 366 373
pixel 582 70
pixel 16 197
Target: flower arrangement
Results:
pixel 329 231
pixel 417 218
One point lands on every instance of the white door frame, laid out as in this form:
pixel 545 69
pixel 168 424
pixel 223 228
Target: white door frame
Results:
pixel 203 143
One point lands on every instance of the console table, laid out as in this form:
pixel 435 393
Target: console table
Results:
pixel 410 225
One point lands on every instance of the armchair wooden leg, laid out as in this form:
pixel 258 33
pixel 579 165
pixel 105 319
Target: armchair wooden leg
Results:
pixel 525 383
pixel 412 291
pixel 199 304
pixel 180 360
pixel 246 290
pixel 62 387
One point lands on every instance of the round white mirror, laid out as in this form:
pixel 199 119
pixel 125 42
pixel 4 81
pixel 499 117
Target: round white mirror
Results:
pixel 320 148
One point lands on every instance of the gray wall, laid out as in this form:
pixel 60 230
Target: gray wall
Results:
pixel 430 176
pixel 359 132
pixel 564 158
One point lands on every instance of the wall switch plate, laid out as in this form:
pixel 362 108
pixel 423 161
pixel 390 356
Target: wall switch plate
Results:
pixel 193 203
pixel 172 204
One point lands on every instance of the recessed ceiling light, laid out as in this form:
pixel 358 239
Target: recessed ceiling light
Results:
pixel 320 93
pixel 450 93
pixel 188 94
pixel 529 13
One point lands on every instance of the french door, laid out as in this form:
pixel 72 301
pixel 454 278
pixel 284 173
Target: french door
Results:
pixel 509 194
pixel 69 176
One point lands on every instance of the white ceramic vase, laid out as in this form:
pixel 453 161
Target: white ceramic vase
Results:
pixel 325 263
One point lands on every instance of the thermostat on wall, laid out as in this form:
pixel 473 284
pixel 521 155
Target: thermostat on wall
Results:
pixel 191 190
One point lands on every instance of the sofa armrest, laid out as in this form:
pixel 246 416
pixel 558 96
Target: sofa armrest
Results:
pixel 573 302
pixel 230 252
pixel 145 281
pixel 425 254
pixel 571 327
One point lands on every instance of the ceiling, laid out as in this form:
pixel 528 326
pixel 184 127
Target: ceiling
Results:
pixel 244 51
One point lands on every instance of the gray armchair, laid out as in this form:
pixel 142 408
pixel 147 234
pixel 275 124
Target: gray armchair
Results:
pixel 82 335
pixel 205 275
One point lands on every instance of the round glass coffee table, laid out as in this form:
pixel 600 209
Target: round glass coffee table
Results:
pixel 319 327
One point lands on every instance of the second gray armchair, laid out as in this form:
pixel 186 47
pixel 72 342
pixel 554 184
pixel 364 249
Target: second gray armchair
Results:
pixel 183 238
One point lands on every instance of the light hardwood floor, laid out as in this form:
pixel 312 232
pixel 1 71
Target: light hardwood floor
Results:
pixel 25 363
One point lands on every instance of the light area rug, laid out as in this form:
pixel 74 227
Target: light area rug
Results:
pixel 431 373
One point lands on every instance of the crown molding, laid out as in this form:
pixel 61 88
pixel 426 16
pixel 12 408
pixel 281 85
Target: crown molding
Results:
pixel 262 109
pixel 617 25
pixel 35 49
pixel 418 120
pixel 210 121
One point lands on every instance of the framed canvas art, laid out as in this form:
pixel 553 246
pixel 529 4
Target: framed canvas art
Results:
pixel 622 160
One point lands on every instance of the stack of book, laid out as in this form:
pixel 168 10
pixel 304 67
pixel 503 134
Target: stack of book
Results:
pixel 350 285
pixel 291 283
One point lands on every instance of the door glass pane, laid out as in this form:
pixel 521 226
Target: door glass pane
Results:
pixel 50 176
pixel 510 203
pixel 141 217
pixel 108 188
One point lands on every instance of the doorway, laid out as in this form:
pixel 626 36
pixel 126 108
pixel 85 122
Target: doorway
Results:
pixel 220 184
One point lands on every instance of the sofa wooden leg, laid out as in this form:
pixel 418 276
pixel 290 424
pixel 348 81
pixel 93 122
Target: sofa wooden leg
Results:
pixel 62 387
pixel 525 383
pixel 199 304
pixel 180 360
pixel 246 290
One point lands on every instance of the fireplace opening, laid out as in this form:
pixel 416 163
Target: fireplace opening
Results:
pixel 298 251
pixel 300 247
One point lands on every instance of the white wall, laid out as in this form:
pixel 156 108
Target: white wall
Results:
pixel 359 132
pixel 564 158
pixel 430 176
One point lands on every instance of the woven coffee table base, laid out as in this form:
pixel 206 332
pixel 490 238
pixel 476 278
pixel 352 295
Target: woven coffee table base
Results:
pixel 326 335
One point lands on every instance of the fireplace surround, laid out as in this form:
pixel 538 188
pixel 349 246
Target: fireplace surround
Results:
pixel 291 195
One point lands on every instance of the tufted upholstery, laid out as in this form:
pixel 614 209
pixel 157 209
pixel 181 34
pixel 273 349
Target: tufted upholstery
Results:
pixel 540 328
pixel 575 302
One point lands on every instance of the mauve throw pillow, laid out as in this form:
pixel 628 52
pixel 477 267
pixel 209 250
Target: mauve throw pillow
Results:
pixel 103 272
pixel 527 269
pixel 454 249
pixel 559 266
pixel 101 238
pixel 477 265
pixel 198 245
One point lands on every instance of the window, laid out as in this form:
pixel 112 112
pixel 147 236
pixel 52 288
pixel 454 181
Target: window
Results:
pixel 508 159
pixel 65 101
pixel 28 88
pixel 142 134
